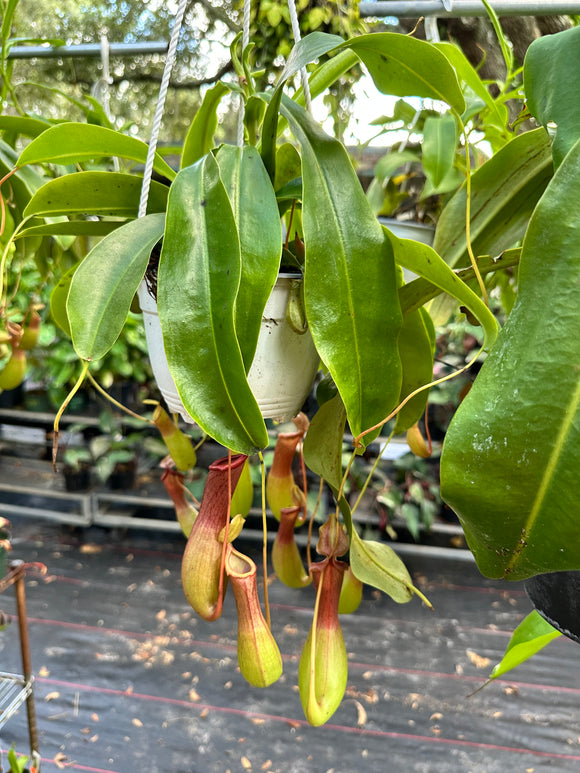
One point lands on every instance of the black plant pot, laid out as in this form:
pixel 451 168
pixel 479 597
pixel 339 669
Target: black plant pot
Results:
pixel 76 480
pixel 124 476
pixel 556 596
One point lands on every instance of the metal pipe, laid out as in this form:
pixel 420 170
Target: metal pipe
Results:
pixel 447 8
pixel 87 49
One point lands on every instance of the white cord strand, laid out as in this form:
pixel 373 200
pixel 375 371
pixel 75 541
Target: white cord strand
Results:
pixel 245 42
pixel 297 37
pixel 169 62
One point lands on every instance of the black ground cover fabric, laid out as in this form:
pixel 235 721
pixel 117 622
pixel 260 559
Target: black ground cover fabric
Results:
pixel 127 679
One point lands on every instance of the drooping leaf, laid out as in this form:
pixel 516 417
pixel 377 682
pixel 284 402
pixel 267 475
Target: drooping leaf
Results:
pixel 323 442
pixel 420 291
pixel 256 214
pixel 510 459
pixel 416 349
pixel 25 125
pixel 407 67
pixel 58 298
pixel 424 261
pixel 497 114
pixel 349 282
pixel 104 284
pixel 199 139
pixel 70 143
pixel 63 227
pixel 551 73
pixel 504 192
pixel 439 144
pixel 377 564
pixel 531 635
pixel 199 273
pixel 95 193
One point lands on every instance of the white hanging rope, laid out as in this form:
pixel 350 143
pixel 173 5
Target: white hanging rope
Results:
pixel 245 42
pixel 297 37
pixel 169 62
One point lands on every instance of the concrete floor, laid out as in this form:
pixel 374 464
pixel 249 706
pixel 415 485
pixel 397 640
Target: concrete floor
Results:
pixel 127 679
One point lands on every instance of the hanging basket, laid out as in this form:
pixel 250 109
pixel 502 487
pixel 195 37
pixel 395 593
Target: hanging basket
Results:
pixel 556 596
pixel 283 368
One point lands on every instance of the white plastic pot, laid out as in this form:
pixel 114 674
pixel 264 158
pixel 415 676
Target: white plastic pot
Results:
pixel 284 365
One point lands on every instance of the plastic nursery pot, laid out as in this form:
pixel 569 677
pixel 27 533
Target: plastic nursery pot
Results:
pixel 76 480
pixel 284 365
pixel 556 596
pixel 124 476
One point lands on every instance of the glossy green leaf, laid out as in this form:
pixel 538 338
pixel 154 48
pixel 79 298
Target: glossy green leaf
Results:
pixel 25 125
pixel 531 635
pixel 103 286
pixel 551 75
pixel 420 291
pixel 199 139
pixel 504 192
pixel 307 50
pixel 199 273
pixel 327 73
pixel 439 145
pixel 303 52
pixel 424 261
pixel 407 67
pixel 377 564
pixel 95 193
pixel 22 184
pixel 497 112
pixel 323 442
pixel 63 227
pixel 70 143
pixel 416 349
pixel 350 283
pixel 511 455
pixel 58 298
pixel 257 218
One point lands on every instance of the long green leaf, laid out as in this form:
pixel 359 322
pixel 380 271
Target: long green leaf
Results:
pixel 350 281
pixel 199 274
pixel 256 213
pixel 58 227
pixel 26 125
pixel 531 635
pixel 420 291
pixel 551 75
pixel 497 112
pixel 407 67
pixel 425 262
pixel 511 455
pixel 439 144
pixel 377 564
pixel 504 192
pixel 416 349
pixel 95 193
pixel 323 442
pixel 199 139
pixel 103 286
pixel 70 143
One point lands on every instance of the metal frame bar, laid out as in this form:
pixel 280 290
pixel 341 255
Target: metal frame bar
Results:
pixel 87 49
pixel 450 8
